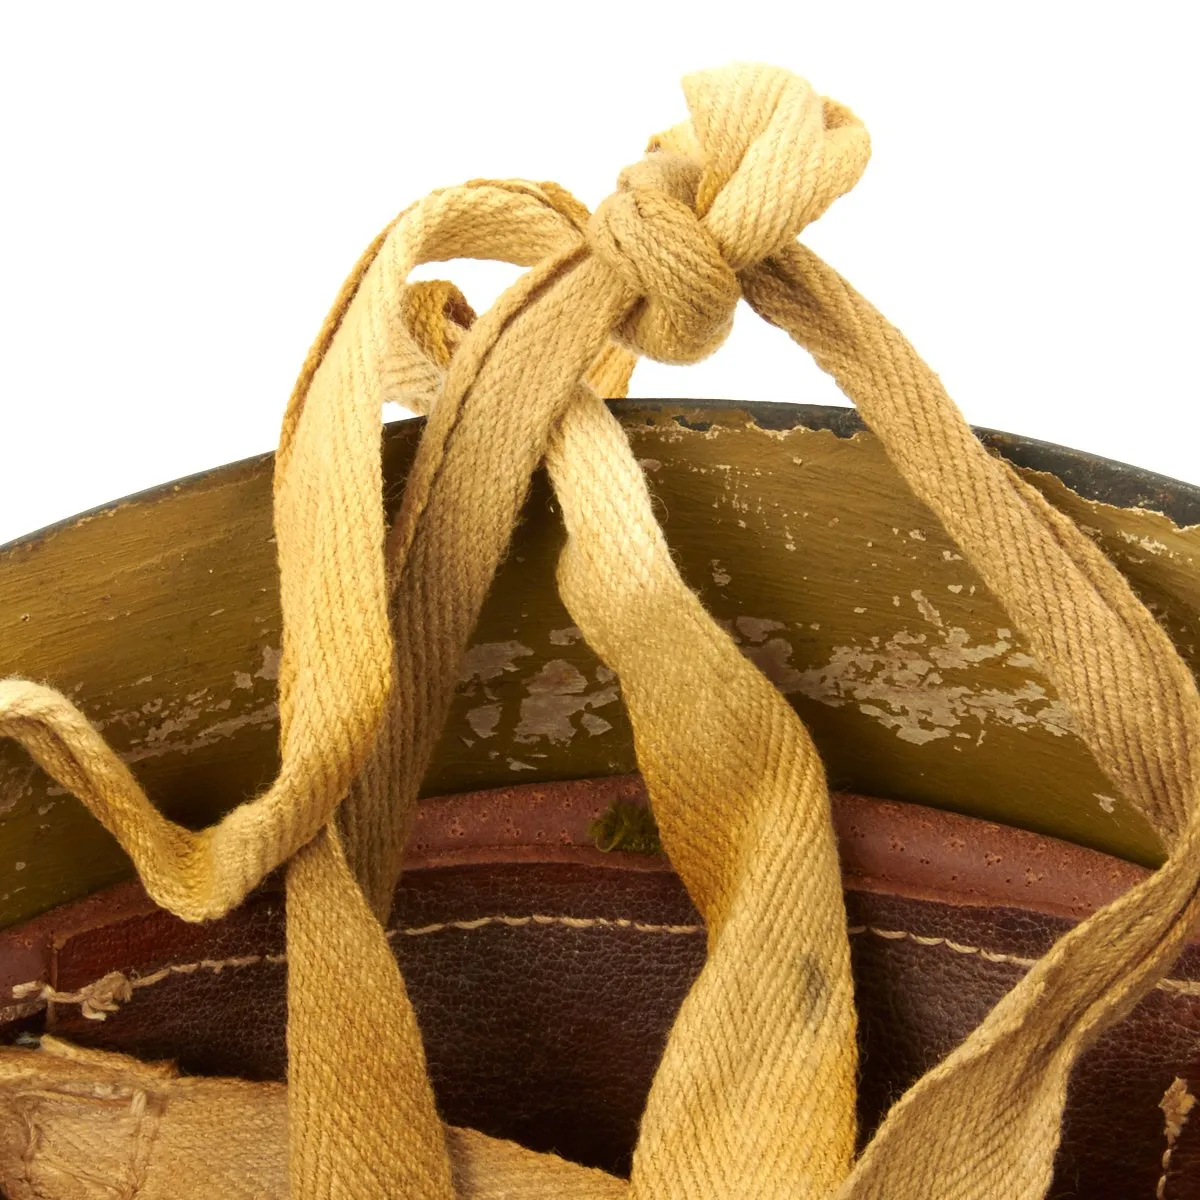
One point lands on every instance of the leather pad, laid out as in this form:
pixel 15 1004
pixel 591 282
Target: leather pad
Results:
pixel 546 976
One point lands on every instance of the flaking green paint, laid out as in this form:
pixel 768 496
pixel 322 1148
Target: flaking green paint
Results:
pixel 159 616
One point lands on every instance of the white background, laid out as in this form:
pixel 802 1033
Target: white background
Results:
pixel 186 185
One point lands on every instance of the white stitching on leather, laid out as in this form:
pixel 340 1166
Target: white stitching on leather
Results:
pixel 1177 1103
pixel 1181 987
pixel 540 919
pixel 105 995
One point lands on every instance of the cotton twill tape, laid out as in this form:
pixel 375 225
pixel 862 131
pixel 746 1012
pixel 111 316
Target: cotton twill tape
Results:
pixel 755 1091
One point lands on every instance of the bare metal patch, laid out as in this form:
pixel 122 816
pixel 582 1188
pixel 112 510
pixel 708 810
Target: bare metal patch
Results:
pixel 267 714
pixel 270 664
pixel 755 629
pixel 556 694
pixel 490 660
pixel 484 719
pixel 557 678
pixel 16 783
pixel 920 685
pixel 593 724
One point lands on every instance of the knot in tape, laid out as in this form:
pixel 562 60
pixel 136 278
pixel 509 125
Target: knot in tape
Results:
pixel 762 156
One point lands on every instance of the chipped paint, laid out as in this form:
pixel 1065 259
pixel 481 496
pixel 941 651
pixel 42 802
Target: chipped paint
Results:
pixel 556 694
pixel 756 628
pixel 919 688
pixel 19 784
pixel 758 535
pixel 557 678
pixel 180 726
pixel 267 714
pixel 483 719
pixel 545 702
pixel 188 715
pixel 490 660
pixel 270 664
pixel 930 613
pixel 1151 544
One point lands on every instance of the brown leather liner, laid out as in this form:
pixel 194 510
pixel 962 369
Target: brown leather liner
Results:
pixel 886 846
pixel 546 974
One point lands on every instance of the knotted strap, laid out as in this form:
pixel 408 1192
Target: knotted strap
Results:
pixel 754 1096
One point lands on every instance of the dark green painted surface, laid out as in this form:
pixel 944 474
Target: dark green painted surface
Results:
pixel 159 616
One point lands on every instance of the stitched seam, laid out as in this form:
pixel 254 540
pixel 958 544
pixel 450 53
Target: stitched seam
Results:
pixel 105 995
pixel 1160 1192
pixel 893 935
pixel 1173 1129
pixel 32 1137
pixel 541 919
pixel 1180 987
pixel 148 1108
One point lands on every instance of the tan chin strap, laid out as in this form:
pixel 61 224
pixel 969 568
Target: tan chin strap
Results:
pixel 755 1093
